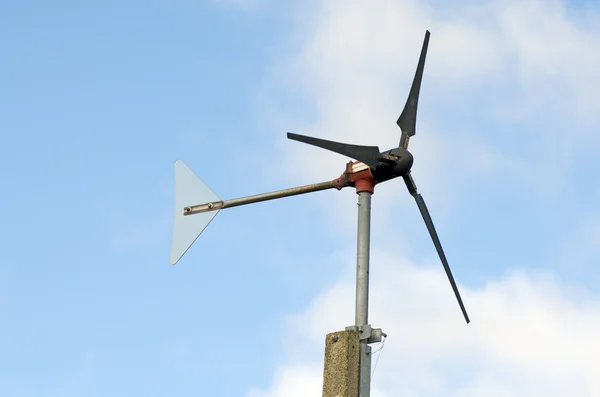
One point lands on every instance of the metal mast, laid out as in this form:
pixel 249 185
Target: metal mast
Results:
pixel 362 289
pixel 365 186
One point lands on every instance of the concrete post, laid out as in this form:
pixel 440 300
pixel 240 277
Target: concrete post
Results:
pixel 342 364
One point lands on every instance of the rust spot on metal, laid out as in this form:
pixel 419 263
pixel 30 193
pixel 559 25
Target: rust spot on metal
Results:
pixel 357 176
pixel 344 179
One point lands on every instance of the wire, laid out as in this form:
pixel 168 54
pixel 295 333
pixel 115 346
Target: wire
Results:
pixel 377 350
pixel 379 355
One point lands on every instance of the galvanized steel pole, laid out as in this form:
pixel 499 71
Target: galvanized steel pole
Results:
pixel 362 259
pixel 362 288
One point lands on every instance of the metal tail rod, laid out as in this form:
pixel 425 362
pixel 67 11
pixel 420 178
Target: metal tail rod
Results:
pixel 222 204
pixel 194 197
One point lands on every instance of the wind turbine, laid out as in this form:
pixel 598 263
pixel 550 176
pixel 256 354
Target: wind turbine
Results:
pixel 370 167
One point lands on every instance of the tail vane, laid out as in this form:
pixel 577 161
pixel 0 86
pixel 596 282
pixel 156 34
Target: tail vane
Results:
pixel 189 190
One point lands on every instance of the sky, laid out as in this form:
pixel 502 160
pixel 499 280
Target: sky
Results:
pixel 100 99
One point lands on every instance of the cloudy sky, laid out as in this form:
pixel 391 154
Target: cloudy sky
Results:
pixel 99 99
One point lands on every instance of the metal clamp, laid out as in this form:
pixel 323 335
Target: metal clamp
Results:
pixel 372 335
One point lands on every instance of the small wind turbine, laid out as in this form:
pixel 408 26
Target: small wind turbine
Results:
pixel 371 166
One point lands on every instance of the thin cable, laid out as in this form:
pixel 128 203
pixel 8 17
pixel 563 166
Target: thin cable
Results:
pixel 379 355
pixel 375 351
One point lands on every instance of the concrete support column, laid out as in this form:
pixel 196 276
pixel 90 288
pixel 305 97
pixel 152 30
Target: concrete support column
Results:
pixel 342 364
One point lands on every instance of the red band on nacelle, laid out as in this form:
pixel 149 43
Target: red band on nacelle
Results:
pixel 362 180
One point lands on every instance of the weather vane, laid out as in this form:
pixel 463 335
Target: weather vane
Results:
pixel 370 167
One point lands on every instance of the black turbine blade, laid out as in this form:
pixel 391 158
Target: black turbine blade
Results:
pixel 369 155
pixel 408 118
pixel 436 241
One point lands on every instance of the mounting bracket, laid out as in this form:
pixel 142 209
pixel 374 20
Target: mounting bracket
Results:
pixel 366 332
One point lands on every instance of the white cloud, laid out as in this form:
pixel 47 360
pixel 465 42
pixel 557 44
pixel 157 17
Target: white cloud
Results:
pixel 294 381
pixel 526 68
pixel 529 335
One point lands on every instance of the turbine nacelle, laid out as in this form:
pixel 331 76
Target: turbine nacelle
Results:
pixel 394 163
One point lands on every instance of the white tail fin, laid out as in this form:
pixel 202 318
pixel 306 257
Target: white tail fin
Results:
pixel 189 190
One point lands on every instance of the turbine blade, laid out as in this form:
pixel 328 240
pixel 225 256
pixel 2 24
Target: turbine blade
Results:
pixel 408 118
pixel 436 241
pixel 369 155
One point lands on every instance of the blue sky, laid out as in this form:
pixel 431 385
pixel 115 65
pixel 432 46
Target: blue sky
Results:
pixel 99 100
